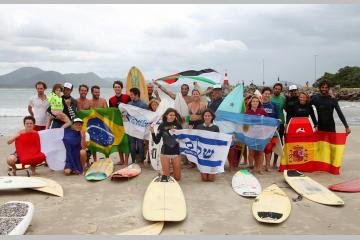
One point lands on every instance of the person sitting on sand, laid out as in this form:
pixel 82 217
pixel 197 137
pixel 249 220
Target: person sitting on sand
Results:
pixel 13 159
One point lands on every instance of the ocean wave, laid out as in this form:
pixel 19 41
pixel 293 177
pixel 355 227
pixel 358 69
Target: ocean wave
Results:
pixel 13 112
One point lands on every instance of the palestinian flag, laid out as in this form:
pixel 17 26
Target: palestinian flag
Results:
pixel 209 76
pixel 106 130
pixel 319 151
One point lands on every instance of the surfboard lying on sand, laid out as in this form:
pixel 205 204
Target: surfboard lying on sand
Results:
pixel 164 201
pixel 15 217
pixel 153 229
pixel 135 79
pixel 52 187
pixel 16 182
pixel 100 170
pixel 245 184
pixel 347 186
pixel 272 205
pixel 130 171
pixel 311 189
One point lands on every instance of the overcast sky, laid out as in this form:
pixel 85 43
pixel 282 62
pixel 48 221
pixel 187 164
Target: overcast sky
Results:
pixel 165 39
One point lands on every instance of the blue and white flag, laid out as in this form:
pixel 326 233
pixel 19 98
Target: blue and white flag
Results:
pixel 207 149
pixel 253 131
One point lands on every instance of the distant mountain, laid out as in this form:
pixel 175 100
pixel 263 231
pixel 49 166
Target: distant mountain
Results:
pixel 27 77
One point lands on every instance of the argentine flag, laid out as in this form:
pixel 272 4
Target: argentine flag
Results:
pixel 207 149
pixel 253 131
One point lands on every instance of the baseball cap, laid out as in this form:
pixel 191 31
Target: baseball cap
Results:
pixel 68 85
pixel 292 87
pixel 217 86
pixel 78 120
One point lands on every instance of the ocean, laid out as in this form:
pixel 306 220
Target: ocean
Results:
pixel 14 104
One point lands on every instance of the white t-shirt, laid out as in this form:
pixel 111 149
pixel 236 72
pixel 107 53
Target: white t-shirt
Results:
pixel 39 108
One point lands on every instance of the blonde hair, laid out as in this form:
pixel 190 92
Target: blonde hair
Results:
pixel 152 101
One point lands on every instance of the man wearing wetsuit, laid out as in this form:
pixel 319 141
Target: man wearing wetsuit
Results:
pixel 325 106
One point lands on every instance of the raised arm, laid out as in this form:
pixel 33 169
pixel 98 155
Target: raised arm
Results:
pixel 167 92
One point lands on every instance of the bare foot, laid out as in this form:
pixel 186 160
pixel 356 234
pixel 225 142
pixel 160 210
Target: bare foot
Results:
pixel 267 169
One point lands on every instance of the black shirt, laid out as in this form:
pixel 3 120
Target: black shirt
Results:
pixel 325 106
pixel 170 145
pixel 211 127
pixel 214 105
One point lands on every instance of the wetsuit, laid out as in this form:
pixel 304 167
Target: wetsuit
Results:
pixel 325 106
pixel 302 110
pixel 170 145
pixel 290 104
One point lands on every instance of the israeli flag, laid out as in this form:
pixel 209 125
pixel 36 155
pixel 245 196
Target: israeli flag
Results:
pixel 253 131
pixel 207 149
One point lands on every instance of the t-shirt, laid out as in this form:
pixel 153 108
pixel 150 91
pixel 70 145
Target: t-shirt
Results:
pixel 139 103
pixel 280 103
pixel 39 108
pixel 211 127
pixel 271 110
pixel 259 112
pixel 55 102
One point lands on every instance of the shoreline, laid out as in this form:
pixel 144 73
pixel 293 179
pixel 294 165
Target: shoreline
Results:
pixel 109 208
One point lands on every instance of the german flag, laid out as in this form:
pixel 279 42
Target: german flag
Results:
pixel 206 75
pixel 320 151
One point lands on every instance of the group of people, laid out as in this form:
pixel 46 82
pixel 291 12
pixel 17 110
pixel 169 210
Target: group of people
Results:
pixel 56 110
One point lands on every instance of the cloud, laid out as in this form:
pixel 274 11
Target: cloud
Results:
pixel 223 46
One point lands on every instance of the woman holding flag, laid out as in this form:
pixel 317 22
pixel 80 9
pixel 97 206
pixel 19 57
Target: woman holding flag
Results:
pixel 170 150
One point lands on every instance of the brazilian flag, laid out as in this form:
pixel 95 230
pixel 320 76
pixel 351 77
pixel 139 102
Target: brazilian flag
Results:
pixel 106 130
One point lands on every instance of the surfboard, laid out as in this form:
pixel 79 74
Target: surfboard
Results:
pixel 233 102
pixel 16 182
pixel 130 171
pixel 272 205
pixel 312 190
pixel 52 187
pixel 135 79
pixel 155 151
pixel 100 170
pixel 299 127
pixel 153 229
pixel 278 148
pixel 350 186
pixel 15 217
pixel 245 184
pixel 164 201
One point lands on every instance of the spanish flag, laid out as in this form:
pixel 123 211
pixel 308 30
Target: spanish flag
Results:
pixel 319 151
pixel 106 130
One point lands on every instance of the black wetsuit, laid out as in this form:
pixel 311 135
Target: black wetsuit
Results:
pixel 170 145
pixel 301 110
pixel 290 104
pixel 211 127
pixel 325 106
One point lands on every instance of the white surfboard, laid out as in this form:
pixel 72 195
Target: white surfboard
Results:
pixel 52 187
pixel 164 201
pixel 16 182
pixel 15 217
pixel 272 205
pixel 245 184
pixel 154 151
pixel 309 188
pixel 153 229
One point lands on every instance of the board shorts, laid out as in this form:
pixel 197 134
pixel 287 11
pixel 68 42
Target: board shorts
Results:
pixel 270 145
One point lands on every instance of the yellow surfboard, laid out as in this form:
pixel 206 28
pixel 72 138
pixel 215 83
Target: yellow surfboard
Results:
pixel 153 229
pixel 100 170
pixel 52 187
pixel 135 79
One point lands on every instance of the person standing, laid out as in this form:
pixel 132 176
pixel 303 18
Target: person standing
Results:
pixel 303 109
pixel 38 104
pixel 325 106
pixel 279 101
pixel 97 101
pixel 196 109
pixel 217 97
pixel 184 89
pixel 150 89
pixel 291 101
pixel 137 144
pixel 82 102
pixel 115 101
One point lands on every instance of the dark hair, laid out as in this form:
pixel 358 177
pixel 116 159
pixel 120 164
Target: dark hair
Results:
pixel 119 83
pixel 135 91
pixel 195 90
pixel 266 89
pixel 41 83
pixel 209 111
pixel 278 84
pixel 324 82
pixel 185 85
pixel 250 100
pixel 94 87
pixel 56 86
pixel 85 86
pixel 29 118
pixel 178 118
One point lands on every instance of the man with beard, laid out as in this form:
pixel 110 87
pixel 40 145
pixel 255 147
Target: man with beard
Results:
pixel 38 104
pixel 97 101
pixel 82 102
pixel 325 106
pixel 184 92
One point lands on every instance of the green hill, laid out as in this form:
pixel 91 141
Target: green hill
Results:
pixel 346 77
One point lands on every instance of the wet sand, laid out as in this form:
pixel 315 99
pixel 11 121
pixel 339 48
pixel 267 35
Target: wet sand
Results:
pixel 109 208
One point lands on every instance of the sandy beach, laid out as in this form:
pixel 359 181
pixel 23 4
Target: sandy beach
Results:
pixel 109 208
